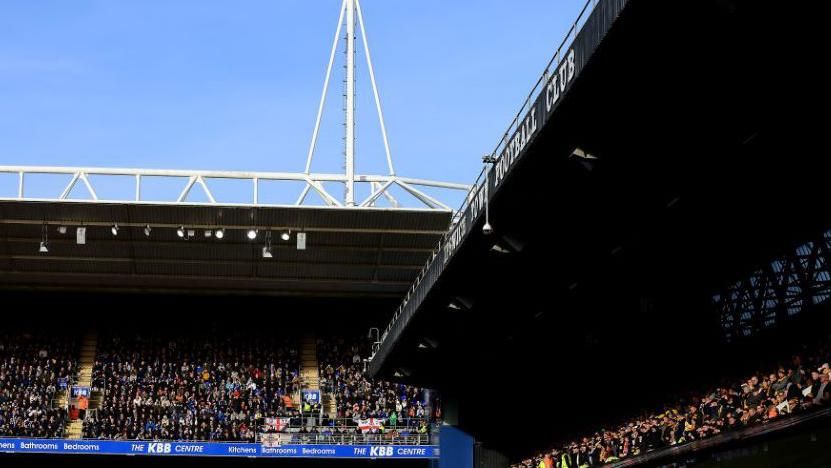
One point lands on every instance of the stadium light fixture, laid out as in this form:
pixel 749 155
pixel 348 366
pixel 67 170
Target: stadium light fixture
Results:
pixel 62 229
pixel 191 233
pixel 220 233
pixel 180 231
pixel 458 303
pixel 114 229
pixel 585 159
pixel 499 249
pixel 507 245
pixel 252 234
pixel 267 245
pixel 208 233
pixel 286 235
pixel 426 344
pixel 579 153
pixel 487 229
pixel 44 239
pixel 147 230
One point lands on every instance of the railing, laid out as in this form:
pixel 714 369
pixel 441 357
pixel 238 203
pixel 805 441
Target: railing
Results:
pixel 662 456
pixel 334 438
pixel 345 431
pixel 725 438
pixel 309 422
pixel 481 180
pixel 301 421
pixel 310 438
pixel 336 431
pixel 351 438
pixel 63 401
pixel 58 403
pixel 327 437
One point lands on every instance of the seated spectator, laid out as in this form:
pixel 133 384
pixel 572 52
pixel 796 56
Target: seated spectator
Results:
pixel 821 394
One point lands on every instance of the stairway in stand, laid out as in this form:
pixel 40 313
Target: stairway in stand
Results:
pixel 86 362
pixel 309 371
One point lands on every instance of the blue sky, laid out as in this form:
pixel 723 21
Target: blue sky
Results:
pixel 234 85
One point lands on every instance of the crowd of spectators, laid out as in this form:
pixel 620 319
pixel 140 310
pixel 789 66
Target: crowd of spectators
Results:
pixel 33 370
pixel 211 386
pixel 191 388
pixel 358 397
pixel 798 386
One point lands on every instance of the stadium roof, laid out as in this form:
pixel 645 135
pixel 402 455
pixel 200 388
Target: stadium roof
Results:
pixel 140 237
pixel 373 252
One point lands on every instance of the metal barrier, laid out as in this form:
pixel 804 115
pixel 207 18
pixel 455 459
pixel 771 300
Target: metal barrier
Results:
pixel 339 431
pixel 351 438
pixel 311 423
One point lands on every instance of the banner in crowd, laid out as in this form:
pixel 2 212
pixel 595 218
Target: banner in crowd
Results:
pixel 78 391
pixel 276 424
pixel 215 449
pixel 370 425
pixel 311 396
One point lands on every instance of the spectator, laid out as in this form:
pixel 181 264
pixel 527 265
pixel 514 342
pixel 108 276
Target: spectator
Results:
pixel 821 395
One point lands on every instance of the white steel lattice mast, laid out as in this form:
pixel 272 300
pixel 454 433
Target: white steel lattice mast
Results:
pixel 349 140
pixel 351 9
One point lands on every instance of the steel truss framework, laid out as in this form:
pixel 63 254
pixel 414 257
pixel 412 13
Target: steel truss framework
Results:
pixel 351 16
pixel 89 177
pixel 786 287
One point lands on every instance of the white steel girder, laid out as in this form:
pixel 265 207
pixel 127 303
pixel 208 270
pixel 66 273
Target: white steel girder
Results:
pixel 380 185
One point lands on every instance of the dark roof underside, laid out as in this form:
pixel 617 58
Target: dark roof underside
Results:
pixel 350 252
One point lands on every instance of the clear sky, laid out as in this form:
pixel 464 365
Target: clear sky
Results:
pixel 234 85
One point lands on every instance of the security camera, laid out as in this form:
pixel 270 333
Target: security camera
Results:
pixel 487 229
